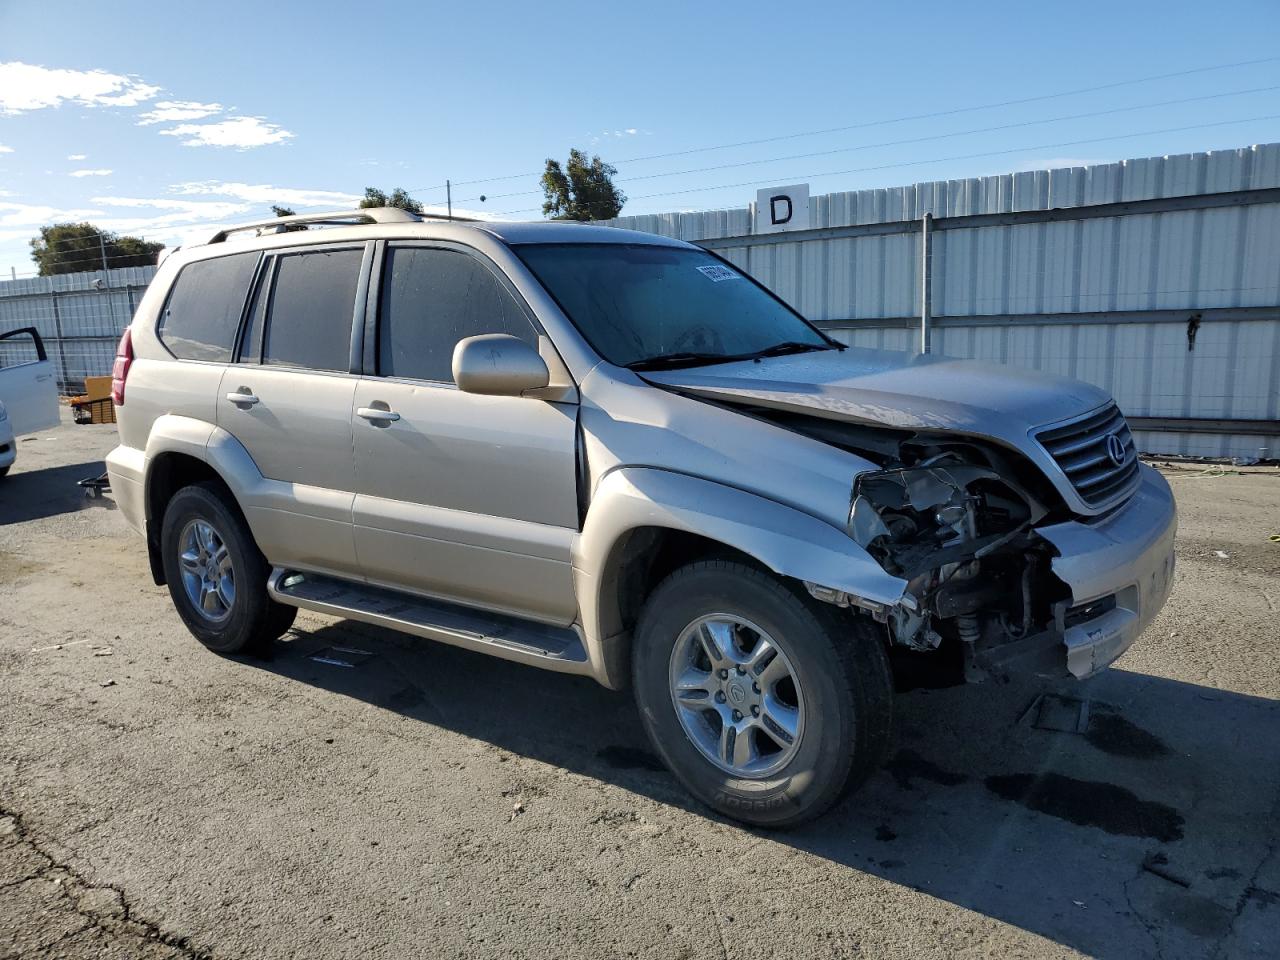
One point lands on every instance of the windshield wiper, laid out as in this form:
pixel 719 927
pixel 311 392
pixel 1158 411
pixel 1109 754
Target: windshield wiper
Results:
pixel 787 346
pixel 693 358
pixel 682 358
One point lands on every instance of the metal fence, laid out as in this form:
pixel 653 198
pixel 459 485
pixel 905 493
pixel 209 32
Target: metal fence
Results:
pixel 1157 279
pixel 80 317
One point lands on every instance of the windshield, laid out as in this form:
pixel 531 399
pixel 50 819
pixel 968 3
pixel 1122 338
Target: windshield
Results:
pixel 641 305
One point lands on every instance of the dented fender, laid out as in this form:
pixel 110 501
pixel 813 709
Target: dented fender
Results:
pixel 790 543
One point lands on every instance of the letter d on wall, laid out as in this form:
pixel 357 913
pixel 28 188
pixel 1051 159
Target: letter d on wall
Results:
pixel 782 208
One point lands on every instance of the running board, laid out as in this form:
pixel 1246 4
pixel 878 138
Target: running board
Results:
pixel 552 648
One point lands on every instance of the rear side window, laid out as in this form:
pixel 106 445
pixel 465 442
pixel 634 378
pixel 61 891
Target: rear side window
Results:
pixel 433 298
pixel 203 312
pixel 312 304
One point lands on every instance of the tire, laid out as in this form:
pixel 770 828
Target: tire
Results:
pixel 840 685
pixel 4 471
pixel 239 616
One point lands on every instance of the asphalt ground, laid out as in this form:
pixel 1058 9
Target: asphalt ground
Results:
pixel 157 800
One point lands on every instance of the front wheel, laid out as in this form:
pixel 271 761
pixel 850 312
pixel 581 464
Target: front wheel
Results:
pixel 217 576
pixel 767 705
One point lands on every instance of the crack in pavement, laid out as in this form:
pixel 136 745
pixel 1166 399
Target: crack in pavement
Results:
pixel 115 918
pixel 1249 891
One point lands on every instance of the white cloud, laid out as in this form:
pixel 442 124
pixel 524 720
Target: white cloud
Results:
pixel 264 193
pixel 37 215
pixel 78 156
pixel 239 132
pixel 25 86
pixel 90 173
pixel 172 111
pixel 4 149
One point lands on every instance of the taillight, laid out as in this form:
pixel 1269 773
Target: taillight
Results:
pixel 120 369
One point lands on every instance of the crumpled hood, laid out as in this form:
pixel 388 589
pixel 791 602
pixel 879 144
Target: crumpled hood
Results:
pixel 895 389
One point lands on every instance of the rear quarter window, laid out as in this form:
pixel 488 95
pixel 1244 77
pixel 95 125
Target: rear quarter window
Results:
pixel 202 314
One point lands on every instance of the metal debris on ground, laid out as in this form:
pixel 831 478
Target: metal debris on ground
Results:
pixel 1156 864
pixel 341 656
pixel 1061 714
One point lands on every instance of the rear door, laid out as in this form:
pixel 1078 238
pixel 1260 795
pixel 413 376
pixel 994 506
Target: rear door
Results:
pixel 473 498
pixel 28 389
pixel 288 400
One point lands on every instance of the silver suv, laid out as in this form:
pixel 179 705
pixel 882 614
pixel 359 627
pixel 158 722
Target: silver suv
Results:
pixel 612 454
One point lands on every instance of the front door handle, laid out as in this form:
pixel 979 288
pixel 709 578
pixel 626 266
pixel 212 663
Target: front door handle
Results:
pixel 375 416
pixel 248 399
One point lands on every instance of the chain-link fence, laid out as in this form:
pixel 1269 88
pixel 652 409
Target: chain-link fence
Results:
pixel 80 317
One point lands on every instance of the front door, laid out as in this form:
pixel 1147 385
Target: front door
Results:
pixel 466 497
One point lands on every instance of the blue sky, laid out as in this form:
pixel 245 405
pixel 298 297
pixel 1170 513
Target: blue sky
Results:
pixel 159 118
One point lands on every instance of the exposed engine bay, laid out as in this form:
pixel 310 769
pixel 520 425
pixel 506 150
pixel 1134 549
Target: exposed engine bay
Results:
pixel 955 518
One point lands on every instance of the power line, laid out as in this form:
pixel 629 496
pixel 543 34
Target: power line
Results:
pixel 936 136
pixel 904 119
pixel 963 156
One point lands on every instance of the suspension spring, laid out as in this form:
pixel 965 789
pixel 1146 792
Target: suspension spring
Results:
pixel 967 628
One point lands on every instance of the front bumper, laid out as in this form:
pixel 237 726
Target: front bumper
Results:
pixel 1126 555
pixel 8 447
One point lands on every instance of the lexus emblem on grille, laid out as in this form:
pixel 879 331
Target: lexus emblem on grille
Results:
pixel 1115 449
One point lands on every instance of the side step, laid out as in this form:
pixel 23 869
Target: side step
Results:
pixel 552 648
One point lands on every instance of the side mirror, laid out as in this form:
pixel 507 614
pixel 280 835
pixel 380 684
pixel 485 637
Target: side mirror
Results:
pixel 498 364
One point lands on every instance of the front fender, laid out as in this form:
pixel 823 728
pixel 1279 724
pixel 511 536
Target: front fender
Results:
pixel 790 543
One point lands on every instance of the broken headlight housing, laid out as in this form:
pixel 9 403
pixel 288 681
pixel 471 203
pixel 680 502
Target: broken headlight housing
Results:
pixel 957 531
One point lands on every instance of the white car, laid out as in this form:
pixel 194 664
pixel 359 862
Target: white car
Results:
pixel 28 391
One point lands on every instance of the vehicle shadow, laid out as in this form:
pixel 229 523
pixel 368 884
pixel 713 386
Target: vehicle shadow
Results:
pixel 35 494
pixel 1139 828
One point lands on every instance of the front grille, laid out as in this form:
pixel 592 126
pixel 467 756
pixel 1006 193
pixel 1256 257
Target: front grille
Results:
pixel 1081 450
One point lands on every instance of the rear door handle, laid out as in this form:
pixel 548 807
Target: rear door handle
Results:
pixel 248 399
pixel 374 415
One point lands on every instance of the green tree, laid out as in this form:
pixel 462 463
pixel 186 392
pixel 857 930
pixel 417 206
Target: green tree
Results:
pixel 373 197
pixel 288 212
pixel 76 247
pixel 582 190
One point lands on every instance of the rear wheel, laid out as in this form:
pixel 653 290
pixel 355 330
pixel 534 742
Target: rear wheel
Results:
pixel 217 576
pixel 767 705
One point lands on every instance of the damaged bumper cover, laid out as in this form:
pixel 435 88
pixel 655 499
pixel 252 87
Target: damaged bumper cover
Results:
pixel 1119 570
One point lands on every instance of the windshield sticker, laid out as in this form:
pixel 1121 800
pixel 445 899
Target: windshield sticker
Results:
pixel 715 273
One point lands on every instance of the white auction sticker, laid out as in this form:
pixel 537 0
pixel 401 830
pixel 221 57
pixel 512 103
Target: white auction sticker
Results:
pixel 715 273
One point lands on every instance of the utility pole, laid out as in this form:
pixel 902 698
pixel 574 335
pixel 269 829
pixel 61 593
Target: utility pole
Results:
pixel 106 282
pixel 926 271
pixel 448 193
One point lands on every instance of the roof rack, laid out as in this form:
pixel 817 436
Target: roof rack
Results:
pixel 332 218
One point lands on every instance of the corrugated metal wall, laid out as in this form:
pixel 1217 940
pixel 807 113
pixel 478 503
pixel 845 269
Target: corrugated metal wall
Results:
pixel 79 323
pixel 1112 299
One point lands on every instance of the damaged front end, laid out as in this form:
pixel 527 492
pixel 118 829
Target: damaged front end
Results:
pixel 961 533
pixel 1000 577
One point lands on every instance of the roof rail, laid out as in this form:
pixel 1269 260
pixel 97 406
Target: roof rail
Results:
pixel 335 218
